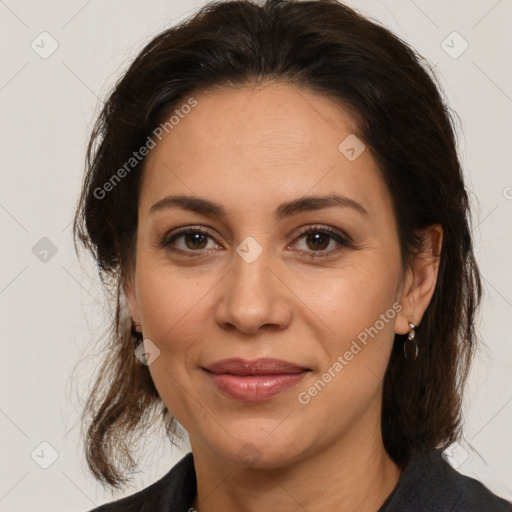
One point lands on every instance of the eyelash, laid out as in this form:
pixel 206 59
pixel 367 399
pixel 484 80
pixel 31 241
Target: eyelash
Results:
pixel 342 239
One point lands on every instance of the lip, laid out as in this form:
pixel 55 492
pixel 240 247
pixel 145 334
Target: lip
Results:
pixel 254 380
pixel 261 366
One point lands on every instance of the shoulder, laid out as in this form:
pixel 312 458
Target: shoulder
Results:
pixel 176 488
pixel 429 483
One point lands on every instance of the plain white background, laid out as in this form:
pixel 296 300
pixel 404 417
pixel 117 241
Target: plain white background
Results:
pixel 53 310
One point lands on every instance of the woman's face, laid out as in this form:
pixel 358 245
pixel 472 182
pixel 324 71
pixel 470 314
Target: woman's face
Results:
pixel 290 252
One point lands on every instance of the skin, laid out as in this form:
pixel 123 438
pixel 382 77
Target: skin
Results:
pixel 251 149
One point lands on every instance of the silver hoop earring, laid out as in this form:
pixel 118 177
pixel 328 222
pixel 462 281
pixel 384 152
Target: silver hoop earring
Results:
pixel 410 344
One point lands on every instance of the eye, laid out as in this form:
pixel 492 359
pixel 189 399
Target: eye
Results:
pixel 313 241
pixel 321 239
pixel 188 240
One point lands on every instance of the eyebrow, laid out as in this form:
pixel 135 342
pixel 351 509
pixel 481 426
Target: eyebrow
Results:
pixel 303 204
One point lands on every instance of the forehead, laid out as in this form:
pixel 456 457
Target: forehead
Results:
pixel 261 143
pixel 261 118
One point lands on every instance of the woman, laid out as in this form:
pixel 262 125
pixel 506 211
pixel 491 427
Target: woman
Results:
pixel 273 192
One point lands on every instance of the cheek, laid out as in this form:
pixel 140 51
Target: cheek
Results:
pixel 353 297
pixel 359 311
pixel 174 315
pixel 356 309
pixel 172 306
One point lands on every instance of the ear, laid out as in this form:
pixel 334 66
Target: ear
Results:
pixel 131 299
pixel 420 280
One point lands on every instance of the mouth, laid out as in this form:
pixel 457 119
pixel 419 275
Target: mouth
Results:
pixel 255 380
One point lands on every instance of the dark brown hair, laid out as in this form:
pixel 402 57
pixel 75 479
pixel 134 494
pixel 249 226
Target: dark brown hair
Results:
pixel 331 50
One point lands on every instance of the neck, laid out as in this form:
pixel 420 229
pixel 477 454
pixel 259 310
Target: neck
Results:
pixel 355 474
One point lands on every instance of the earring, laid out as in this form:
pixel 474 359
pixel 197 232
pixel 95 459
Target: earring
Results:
pixel 136 334
pixel 410 345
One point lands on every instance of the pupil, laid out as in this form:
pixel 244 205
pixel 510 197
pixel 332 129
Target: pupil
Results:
pixel 319 240
pixel 195 240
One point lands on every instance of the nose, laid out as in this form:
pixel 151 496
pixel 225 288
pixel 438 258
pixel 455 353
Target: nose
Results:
pixel 253 296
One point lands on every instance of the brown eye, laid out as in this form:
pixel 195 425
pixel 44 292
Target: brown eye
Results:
pixel 189 241
pixel 318 241
pixel 196 240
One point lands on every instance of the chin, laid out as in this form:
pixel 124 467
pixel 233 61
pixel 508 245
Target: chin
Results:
pixel 258 451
